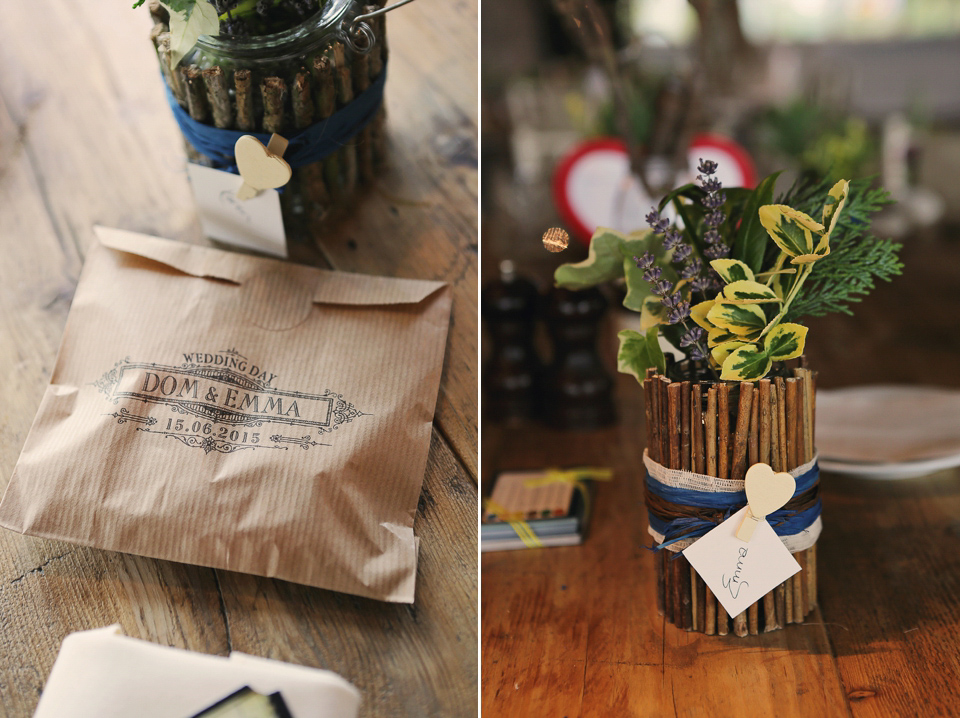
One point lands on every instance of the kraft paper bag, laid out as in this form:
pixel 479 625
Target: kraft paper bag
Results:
pixel 241 413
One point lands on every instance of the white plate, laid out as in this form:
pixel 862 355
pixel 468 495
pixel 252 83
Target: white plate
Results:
pixel 888 432
pixel 890 472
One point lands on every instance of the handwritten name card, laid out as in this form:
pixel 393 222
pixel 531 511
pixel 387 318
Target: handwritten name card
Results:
pixel 741 572
pixel 254 223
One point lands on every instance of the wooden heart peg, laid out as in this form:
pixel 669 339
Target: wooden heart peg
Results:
pixel 261 167
pixel 766 492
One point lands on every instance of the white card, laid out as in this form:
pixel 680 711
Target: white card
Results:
pixel 740 572
pixel 253 224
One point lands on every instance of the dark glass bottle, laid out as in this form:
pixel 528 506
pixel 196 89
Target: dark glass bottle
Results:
pixel 577 391
pixel 508 307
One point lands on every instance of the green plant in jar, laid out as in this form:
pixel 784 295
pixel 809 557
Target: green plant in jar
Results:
pixel 731 285
pixel 189 19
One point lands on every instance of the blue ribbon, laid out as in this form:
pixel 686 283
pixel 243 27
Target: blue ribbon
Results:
pixel 306 146
pixel 784 522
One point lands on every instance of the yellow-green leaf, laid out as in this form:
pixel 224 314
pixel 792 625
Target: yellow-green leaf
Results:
pixel 785 341
pixel 187 23
pixel 746 364
pixel 747 292
pixel 638 352
pixel 652 314
pixel 716 337
pixel 739 319
pixel 722 351
pixel 732 270
pixel 604 262
pixel 698 313
pixel 836 198
pixel 781 284
pixel 792 230
pixel 831 213
pixel 811 258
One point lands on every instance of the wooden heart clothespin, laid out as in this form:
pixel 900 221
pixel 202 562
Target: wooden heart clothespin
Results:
pixel 766 492
pixel 261 167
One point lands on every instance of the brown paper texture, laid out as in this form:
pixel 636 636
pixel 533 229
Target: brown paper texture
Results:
pixel 241 413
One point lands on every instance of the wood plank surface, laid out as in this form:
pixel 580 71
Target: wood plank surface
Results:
pixel 86 138
pixel 586 617
pixel 414 223
pixel 575 631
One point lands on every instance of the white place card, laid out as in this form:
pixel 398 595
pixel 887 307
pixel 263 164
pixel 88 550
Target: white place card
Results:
pixel 252 224
pixel 740 572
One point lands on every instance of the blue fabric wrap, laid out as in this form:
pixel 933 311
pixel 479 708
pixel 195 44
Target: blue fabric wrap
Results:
pixel 306 146
pixel 785 522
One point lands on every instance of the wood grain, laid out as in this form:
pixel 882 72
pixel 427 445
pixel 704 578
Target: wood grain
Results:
pixel 575 631
pixel 86 138
pixel 881 643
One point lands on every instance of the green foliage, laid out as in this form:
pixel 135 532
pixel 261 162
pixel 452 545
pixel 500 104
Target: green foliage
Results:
pixel 611 256
pixel 751 241
pixel 638 352
pixel 691 212
pixel 181 6
pixel 638 289
pixel 189 19
pixel 857 258
pixel 604 263
pixel 821 141
pixel 784 265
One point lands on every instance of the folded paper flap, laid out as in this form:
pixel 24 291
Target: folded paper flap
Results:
pixel 190 259
pixel 362 289
pixel 331 287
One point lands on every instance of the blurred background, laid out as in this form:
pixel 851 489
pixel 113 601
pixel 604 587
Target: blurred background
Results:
pixel 844 89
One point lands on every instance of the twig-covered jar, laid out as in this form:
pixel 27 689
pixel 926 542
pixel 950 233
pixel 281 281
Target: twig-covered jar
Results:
pixel 289 83
pixel 718 429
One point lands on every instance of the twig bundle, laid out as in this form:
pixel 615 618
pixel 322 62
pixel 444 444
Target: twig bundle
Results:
pixel 688 426
pixel 286 99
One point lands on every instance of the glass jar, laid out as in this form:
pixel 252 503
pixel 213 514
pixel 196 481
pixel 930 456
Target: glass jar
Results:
pixel 283 83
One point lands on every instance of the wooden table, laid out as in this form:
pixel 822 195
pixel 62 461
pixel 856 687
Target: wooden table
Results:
pixel 575 631
pixel 86 138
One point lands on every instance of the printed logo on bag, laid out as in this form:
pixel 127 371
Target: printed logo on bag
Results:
pixel 229 403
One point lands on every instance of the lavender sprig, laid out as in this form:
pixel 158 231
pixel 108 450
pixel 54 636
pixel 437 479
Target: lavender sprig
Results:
pixel 692 268
pixel 713 202
pixel 657 223
pixel 692 341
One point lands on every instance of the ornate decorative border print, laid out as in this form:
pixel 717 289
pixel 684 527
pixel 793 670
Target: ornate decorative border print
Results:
pixel 228 396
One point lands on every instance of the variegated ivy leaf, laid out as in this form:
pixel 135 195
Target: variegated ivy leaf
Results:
pixel 791 230
pixel 732 270
pixel 189 19
pixel 652 314
pixel 716 337
pixel 722 351
pixel 604 262
pixel 739 319
pixel 785 341
pixel 748 292
pixel 748 363
pixel 698 313
pixel 638 352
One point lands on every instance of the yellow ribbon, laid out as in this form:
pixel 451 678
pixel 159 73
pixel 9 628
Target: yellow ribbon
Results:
pixel 574 477
pixel 522 528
